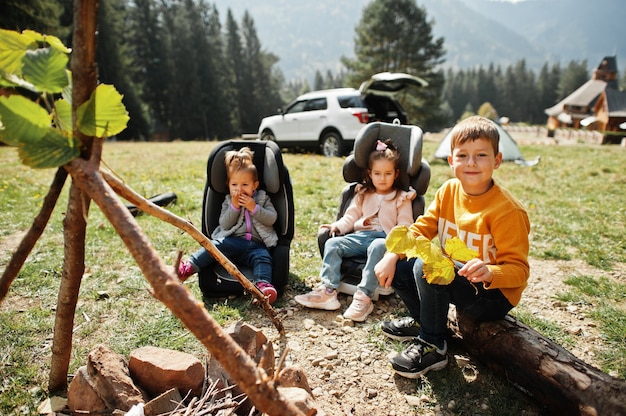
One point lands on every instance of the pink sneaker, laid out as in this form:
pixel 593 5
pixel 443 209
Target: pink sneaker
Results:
pixel 185 270
pixel 268 290
pixel 360 307
pixel 320 298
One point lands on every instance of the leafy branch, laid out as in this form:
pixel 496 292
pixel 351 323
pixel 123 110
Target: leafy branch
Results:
pixel 439 267
pixel 56 128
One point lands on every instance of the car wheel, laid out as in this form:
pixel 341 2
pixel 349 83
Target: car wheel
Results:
pixel 268 136
pixel 331 145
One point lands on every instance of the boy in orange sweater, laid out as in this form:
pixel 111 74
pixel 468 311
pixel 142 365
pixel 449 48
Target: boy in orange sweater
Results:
pixel 489 220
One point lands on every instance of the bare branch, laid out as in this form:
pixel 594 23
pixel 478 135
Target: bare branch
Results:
pixel 173 294
pixel 165 215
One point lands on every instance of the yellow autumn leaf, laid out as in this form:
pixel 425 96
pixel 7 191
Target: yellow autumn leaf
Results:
pixel 438 266
pixel 440 272
pixel 456 249
pixel 400 240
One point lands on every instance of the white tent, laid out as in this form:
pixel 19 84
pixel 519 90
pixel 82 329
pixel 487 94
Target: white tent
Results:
pixel 508 147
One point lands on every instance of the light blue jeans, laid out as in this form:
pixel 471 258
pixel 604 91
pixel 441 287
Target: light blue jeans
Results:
pixel 357 244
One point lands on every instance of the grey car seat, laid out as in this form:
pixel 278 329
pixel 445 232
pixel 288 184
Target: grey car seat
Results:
pixel 414 172
pixel 274 179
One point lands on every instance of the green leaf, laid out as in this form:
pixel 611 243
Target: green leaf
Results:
pixel 45 69
pixel 104 114
pixel 67 91
pixel 63 115
pixel 23 120
pixel 51 40
pixel 51 151
pixel 13 46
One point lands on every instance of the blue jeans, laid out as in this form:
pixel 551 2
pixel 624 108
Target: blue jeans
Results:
pixel 369 281
pixel 428 303
pixel 350 245
pixel 238 250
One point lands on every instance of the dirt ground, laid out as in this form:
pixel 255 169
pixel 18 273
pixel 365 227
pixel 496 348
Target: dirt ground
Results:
pixel 347 367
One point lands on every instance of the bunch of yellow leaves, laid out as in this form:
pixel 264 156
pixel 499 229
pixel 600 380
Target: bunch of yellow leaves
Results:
pixel 438 266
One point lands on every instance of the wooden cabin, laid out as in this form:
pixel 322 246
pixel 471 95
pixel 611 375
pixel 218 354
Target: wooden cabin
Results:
pixel 597 105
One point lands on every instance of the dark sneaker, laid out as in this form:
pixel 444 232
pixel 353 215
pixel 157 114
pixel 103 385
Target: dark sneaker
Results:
pixel 401 329
pixel 419 358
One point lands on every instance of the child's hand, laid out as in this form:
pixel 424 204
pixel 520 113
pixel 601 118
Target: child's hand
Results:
pixel 332 230
pixel 247 202
pixel 385 269
pixel 476 271
pixel 234 196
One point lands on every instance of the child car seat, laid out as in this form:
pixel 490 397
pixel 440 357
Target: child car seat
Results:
pixel 414 172
pixel 274 179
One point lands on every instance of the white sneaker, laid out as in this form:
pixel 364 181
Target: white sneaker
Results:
pixel 320 298
pixel 360 307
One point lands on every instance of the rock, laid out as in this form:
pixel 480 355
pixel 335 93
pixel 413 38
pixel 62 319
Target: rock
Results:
pixel 301 399
pixel 158 370
pixel 51 406
pixel 258 347
pixel 111 379
pixel 294 376
pixel 255 343
pixel 82 395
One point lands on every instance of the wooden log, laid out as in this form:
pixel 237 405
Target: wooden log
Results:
pixel 556 378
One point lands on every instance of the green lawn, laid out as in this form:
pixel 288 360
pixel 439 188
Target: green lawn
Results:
pixel 575 197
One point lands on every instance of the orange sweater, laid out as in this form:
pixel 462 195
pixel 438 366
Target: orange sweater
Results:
pixel 495 224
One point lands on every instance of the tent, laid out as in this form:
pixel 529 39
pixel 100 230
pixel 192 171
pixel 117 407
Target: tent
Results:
pixel 508 147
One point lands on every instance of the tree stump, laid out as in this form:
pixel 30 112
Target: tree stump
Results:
pixel 561 382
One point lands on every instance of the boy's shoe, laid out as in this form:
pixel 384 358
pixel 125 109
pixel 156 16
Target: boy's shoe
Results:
pixel 419 358
pixel 360 307
pixel 185 270
pixel 401 329
pixel 268 290
pixel 320 298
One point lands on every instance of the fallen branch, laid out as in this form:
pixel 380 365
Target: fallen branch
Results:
pixel 551 374
pixel 156 211
pixel 168 289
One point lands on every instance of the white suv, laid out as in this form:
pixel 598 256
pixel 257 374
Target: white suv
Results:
pixel 329 120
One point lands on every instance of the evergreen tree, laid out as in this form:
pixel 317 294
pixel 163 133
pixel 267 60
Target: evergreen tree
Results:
pixel 395 35
pixel 572 77
pixel 486 86
pixel 547 90
pixel 217 100
pixel 149 51
pixel 115 65
pixel 43 16
pixel 234 60
pixel 318 83
pixel 259 86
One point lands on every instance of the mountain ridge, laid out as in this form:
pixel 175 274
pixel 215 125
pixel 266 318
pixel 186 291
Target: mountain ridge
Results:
pixel 313 36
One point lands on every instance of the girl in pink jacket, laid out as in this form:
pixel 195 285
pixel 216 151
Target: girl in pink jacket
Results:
pixel 378 206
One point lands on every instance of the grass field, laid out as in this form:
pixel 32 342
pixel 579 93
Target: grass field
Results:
pixel 575 197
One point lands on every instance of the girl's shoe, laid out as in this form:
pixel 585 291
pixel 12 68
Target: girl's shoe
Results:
pixel 360 308
pixel 185 270
pixel 268 290
pixel 320 298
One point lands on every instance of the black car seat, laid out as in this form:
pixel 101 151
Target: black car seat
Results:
pixel 274 179
pixel 414 172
